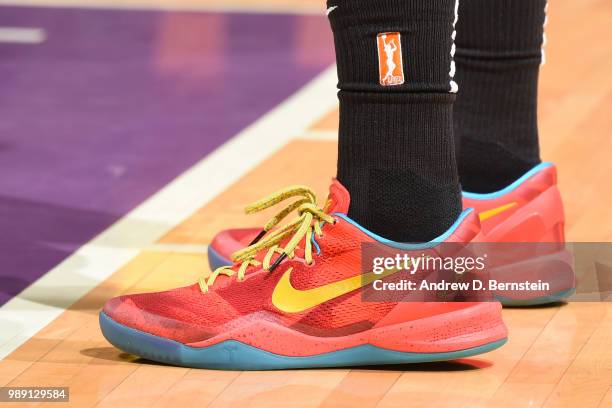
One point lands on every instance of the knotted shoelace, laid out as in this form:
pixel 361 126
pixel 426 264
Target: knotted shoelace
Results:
pixel 308 222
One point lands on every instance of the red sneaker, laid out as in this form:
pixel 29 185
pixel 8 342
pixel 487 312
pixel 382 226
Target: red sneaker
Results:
pixel 295 299
pixel 527 220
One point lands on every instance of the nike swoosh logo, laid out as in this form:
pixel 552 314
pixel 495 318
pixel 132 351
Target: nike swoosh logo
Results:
pixel 485 215
pixel 291 300
pixel 329 10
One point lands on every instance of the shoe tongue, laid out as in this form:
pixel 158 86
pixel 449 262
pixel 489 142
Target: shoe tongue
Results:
pixel 338 200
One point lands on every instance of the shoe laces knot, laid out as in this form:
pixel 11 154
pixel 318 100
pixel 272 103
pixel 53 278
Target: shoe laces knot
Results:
pixel 308 221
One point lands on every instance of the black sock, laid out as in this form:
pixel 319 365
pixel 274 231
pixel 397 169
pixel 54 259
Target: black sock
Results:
pixel 396 155
pixel 498 61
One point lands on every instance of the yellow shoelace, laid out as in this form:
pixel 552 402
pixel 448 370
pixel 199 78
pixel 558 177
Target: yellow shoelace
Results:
pixel 308 221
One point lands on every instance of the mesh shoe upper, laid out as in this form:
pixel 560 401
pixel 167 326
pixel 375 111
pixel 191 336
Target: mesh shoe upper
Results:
pixel 190 315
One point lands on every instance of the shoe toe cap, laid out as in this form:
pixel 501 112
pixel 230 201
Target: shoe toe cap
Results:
pixel 149 313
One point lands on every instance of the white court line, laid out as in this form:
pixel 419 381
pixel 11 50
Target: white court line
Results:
pixel 22 35
pixel 24 315
pixel 225 6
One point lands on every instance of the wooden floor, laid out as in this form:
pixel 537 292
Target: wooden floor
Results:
pixel 556 356
pixel 289 6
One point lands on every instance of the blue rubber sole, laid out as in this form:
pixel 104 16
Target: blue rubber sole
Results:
pixel 234 355
pixel 543 300
pixel 215 260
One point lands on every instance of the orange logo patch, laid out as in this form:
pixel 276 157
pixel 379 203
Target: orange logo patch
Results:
pixel 390 64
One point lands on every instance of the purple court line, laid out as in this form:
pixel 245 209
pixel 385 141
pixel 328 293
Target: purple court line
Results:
pixel 116 104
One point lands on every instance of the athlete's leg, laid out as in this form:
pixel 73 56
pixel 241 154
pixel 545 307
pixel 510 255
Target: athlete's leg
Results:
pixel 396 153
pixel 498 60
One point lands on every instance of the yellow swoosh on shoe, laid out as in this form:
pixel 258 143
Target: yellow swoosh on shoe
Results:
pixel 291 300
pixel 485 215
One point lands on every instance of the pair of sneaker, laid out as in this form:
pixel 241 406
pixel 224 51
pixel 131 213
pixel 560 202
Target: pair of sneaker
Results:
pixel 294 296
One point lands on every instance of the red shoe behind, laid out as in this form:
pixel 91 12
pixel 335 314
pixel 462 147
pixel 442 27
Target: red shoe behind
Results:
pixel 525 224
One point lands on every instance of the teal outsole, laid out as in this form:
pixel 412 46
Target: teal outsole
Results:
pixel 544 300
pixel 234 355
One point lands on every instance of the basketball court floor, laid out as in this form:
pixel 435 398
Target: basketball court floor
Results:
pixel 132 131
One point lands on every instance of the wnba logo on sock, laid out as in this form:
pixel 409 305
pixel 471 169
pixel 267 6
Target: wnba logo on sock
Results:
pixel 390 64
